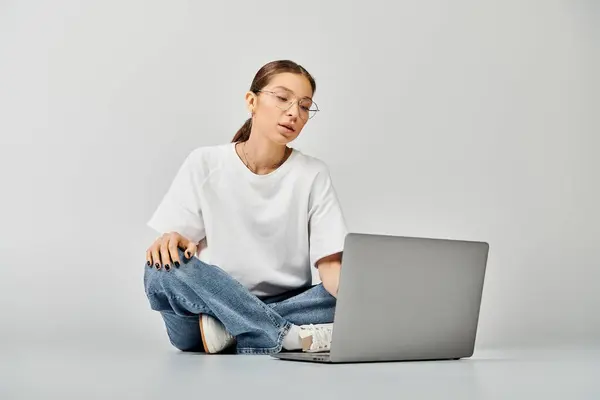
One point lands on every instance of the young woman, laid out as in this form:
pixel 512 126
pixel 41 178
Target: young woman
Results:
pixel 242 224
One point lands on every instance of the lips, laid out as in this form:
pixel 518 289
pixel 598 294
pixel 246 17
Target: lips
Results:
pixel 289 127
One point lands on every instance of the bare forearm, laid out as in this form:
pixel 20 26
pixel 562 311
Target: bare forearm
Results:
pixel 330 276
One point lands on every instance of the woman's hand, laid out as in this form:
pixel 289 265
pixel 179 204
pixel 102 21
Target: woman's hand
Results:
pixel 164 250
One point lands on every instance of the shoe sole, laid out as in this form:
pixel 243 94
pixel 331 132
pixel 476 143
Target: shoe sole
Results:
pixel 204 345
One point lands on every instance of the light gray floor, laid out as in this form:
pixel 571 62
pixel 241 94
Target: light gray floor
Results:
pixel 100 373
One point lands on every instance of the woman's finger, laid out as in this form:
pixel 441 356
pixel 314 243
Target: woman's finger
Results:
pixel 174 249
pixel 184 244
pixel 190 249
pixel 148 258
pixel 164 252
pixel 155 255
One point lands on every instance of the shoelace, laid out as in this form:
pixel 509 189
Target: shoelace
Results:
pixel 321 336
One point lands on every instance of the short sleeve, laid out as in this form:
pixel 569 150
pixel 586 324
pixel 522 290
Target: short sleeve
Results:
pixel 180 211
pixel 327 225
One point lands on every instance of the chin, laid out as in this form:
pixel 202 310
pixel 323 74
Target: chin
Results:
pixel 283 139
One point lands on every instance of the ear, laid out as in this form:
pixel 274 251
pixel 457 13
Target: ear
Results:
pixel 251 102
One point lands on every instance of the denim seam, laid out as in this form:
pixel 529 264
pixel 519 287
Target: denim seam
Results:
pixel 178 298
pixel 183 300
pixel 268 350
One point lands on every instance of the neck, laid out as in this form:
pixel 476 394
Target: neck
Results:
pixel 263 152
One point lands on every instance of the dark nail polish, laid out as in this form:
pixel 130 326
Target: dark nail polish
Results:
pixel 176 264
pixel 148 263
pixel 157 266
pixel 167 267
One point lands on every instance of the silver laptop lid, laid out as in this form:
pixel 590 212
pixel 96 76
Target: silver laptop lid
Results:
pixel 406 298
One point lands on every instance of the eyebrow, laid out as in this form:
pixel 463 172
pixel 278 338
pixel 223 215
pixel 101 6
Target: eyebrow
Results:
pixel 291 91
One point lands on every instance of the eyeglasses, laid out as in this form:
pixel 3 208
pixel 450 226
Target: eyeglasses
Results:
pixel 308 108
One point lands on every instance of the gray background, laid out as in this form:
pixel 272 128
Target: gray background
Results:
pixel 464 119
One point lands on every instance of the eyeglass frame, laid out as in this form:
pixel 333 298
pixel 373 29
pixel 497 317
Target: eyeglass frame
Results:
pixel 292 103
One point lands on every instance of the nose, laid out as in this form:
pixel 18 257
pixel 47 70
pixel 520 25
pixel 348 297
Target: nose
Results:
pixel 293 110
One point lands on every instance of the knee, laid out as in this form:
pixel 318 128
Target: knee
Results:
pixel 150 275
pixel 160 280
pixel 186 340
pixel 187 344
pixel 175 278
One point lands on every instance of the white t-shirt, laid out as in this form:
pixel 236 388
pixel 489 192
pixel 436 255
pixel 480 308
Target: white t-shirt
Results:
pixel 266 231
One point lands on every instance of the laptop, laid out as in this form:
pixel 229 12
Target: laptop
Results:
pixel 405 299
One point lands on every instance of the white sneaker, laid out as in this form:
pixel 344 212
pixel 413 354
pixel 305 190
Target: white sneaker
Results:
pixel 316 338
pixel 214 336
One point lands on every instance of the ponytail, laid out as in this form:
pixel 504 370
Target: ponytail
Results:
pixel 243 134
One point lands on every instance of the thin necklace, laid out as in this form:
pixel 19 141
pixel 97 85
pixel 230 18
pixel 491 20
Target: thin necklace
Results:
pixel 274 166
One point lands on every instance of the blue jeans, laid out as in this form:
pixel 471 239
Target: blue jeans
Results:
pixel 258 324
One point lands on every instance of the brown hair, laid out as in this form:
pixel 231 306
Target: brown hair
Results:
pixel 262 79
